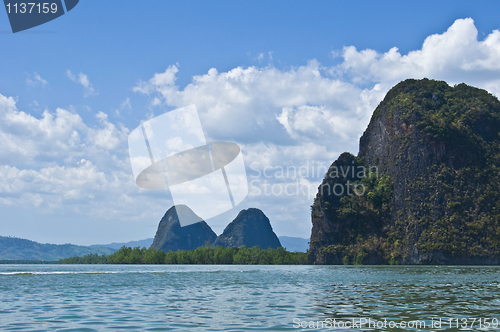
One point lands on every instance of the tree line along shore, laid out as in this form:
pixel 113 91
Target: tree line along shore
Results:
pixel 201 255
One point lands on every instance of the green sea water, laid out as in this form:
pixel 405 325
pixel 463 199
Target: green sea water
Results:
pixel 248 298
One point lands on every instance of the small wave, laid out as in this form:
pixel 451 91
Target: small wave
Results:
pixel 54 272
pixel 10 273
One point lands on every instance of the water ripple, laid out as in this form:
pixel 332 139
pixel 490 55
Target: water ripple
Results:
pixel 238 298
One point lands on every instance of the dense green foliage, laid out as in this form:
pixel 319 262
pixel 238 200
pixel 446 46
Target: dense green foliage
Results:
pixel 437 196
pixel 202 255
pixel 361 208
pixel 86 259
pixel 12 248
pixel 459 195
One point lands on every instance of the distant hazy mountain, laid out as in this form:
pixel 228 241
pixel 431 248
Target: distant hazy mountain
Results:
pixel 21 249
pixel 294 243
pixel 132 244
pixel 171 236
pixel 250 228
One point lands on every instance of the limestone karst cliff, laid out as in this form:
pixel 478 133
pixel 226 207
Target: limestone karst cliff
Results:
pixel 424 188
pixel 171 236
pixel 250 228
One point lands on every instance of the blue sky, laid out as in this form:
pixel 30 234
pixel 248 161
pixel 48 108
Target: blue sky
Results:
pixel 292 82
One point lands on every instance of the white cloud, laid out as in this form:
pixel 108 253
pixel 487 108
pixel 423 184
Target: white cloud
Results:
pixel 243 104
pixel 108 136
pixel 315 122
pixel 58 164
pixel 82 79
pixel 82 188
pixel 125 106
pixel 161 82
pixel 37 79
pixel 55 136
pixel 455 56
pixel 26 139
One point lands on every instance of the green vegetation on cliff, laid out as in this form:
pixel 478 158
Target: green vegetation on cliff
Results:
pixel 433 193
pixel 172 236
pixel 201 255
pixel 250 228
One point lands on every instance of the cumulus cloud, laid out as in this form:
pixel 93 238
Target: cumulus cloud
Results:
pixel 81 188
pixel 30 140
pixel 36 80
pixel 53 138
pixel 107 137
pixel 455 56
pixel 62 134
pixel 57 163
pixel 254 104
pixel 82 79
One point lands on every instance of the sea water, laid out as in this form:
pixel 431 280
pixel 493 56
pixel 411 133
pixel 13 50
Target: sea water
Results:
pixel 248 298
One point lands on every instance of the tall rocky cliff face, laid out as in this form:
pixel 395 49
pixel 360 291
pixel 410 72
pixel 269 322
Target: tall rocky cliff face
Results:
pixel 250 228
pixel 171 236
pixel 424 188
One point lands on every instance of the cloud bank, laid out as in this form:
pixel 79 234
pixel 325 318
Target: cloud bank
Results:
pixel 300 116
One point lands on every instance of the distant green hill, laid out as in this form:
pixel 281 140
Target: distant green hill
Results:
pixel 12 248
